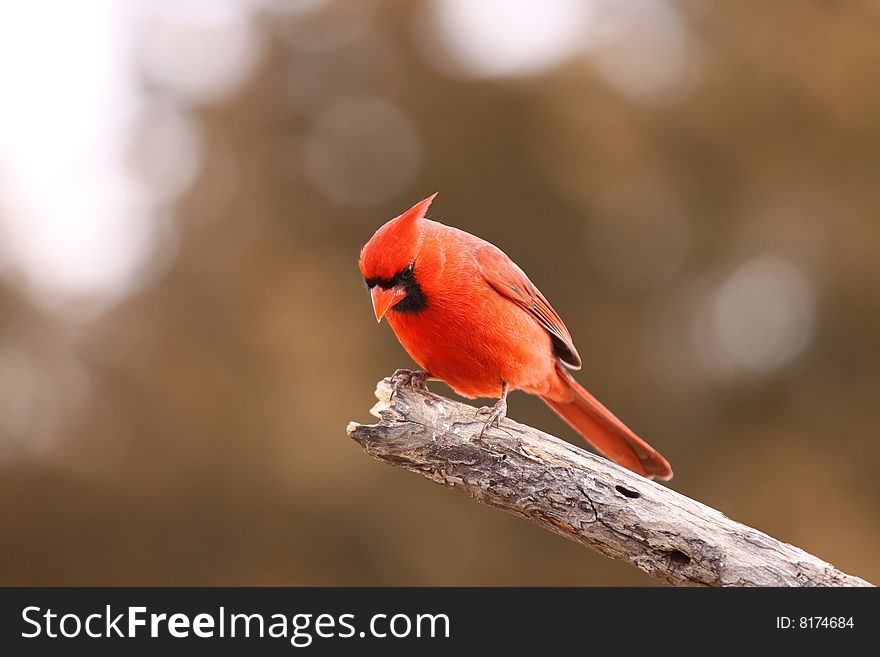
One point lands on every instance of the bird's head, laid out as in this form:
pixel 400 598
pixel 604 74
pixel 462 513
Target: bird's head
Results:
pixel 389 262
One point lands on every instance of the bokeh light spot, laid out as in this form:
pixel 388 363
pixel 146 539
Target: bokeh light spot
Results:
pixel 489 38
pixel 642 49
pixel 200 50
pixel 759 318
pixel 168 150
pixel 75 223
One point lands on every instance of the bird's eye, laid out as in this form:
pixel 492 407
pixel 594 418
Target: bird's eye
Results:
pixel 408 272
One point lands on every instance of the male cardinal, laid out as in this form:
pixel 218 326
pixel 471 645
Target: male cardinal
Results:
pixel 470 317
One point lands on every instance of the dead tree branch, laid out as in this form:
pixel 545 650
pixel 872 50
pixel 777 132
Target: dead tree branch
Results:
pixel 581 496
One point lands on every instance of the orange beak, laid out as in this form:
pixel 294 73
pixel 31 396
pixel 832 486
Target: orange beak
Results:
pixel 385 300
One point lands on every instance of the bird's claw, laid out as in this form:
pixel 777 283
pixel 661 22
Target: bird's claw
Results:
pixel 494 415
pixel 418 380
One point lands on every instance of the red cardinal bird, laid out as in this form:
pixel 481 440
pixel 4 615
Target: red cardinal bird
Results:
pixel 470 317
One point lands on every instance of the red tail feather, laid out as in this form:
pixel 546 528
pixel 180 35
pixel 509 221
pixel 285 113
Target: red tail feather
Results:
pixel 607 433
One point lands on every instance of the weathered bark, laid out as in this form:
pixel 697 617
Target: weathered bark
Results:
pixel 581 496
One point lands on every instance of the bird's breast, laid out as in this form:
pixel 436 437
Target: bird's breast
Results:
pixel 474 339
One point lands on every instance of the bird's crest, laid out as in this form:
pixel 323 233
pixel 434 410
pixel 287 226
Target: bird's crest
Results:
pixel 393 246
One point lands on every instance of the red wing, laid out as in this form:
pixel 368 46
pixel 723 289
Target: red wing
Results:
pixel 510 281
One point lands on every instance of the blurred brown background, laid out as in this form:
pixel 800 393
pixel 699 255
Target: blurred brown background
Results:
pixel 184 189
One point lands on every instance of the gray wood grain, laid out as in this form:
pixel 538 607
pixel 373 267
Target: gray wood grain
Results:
pixel 581 496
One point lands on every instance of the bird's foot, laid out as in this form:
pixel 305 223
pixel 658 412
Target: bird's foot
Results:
pixel 494 414
pixel 417 380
